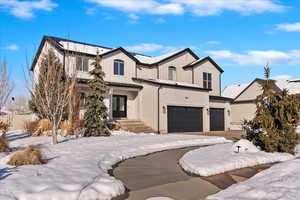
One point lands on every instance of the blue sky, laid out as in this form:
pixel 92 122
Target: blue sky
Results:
pixel 241 35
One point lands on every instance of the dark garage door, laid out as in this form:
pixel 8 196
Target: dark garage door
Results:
pixel 184 119
pixel 216 119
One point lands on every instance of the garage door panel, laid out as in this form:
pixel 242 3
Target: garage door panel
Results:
pixel 217 119
pixel 184 119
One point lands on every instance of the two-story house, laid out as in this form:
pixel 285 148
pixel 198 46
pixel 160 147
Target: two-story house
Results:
pixel 176 92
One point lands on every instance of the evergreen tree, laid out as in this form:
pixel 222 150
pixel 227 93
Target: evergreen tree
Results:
pixel 95 116
pixel 277 115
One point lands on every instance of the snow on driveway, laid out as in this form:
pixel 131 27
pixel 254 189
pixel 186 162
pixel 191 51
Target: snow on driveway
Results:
pixel 77 168
pixel 221 158
pixel 280 182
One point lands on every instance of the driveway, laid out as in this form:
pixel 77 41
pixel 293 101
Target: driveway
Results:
pixel 159 174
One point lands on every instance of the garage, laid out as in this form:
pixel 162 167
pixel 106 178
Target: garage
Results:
pixel 185 119
pixel 217 121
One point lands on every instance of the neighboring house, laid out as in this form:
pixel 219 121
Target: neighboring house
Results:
pixel 244 95
pixel 176 92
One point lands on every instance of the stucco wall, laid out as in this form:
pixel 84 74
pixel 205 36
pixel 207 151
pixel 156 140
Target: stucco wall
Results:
pixel 210 68
pixel 250 93
pixel 182 97
pixel 242 111
pixel 178 62
pixel 147 72
pixel 227 110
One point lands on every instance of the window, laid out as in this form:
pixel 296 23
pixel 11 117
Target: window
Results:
pixel 172 73
pixel 118 67
pixel 82 99
pixel 207 80
pixel 82 64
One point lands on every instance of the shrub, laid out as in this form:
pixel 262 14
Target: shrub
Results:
pixel 29 156
pixel 31 126
pixel 277 116
pixel 4 147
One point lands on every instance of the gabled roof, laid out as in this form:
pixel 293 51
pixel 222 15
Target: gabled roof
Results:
pixel 201 60
pixel 234 91
pixel 81 48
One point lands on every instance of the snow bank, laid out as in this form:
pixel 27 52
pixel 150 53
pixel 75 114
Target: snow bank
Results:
pixel 77 168
pixel 217 159
pixel 280 182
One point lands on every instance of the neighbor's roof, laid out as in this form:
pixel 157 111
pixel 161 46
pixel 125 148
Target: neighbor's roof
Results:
pixel 234 90
pixel 91 49
pixel 292 85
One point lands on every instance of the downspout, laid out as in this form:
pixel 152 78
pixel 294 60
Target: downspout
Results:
pixel 193 75
pixel 158 106
pixel 157 71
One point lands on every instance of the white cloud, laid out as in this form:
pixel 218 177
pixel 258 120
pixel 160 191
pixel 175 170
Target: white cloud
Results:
pixel 282 77
pixel 197 7
pixel 25 9
pixel 12 47
pixel 216 7
pixel 295 27
pixel 90 11
pixel 258 58
pixel 133 16
pixel 214 42
pixel 160 20
pixel 148 6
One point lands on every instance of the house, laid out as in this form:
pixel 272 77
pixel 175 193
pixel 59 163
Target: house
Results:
pixel 175 92
pixel 244 95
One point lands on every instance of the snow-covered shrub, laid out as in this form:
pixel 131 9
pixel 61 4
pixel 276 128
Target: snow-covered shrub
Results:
pixel 29 156
pixel 30 126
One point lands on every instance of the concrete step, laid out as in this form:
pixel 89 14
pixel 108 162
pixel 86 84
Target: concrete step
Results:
pixel 135 126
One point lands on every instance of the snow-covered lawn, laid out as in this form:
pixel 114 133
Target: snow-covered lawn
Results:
pixel 77 168
pixel 220 158
pixel 280 182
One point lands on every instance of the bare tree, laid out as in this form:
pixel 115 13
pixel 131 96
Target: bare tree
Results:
pixel 6 86
pixel 52 91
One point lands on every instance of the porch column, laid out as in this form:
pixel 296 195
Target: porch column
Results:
pixel 110 107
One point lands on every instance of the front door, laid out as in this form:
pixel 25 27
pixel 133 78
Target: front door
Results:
pixel 119 106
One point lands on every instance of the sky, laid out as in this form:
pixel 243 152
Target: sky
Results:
pixel 242 36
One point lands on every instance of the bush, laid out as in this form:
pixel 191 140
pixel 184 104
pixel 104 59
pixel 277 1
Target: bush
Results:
pixel 29 156
pixel 4 146
pixel 31 126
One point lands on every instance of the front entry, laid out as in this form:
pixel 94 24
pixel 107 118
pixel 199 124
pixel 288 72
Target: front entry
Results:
pixel 119 106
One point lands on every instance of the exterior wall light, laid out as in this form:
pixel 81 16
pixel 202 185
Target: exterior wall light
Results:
pixel 228 112
pixel 164 109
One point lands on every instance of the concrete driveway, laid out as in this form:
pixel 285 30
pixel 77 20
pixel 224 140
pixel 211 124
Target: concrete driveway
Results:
pixel 159 174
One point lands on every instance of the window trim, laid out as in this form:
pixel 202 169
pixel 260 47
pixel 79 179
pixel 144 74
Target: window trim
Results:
pixel 82 67
pixel 119 71
pixel 207 80
pixel 172 71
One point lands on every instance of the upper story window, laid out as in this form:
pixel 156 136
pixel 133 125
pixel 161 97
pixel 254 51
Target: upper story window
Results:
pixel 82 64
pixel 207 80
pixel 172 73
pixel 118 67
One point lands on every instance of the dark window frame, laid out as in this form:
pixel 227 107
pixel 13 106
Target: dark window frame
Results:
pixel 119 67
pixel 207 80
